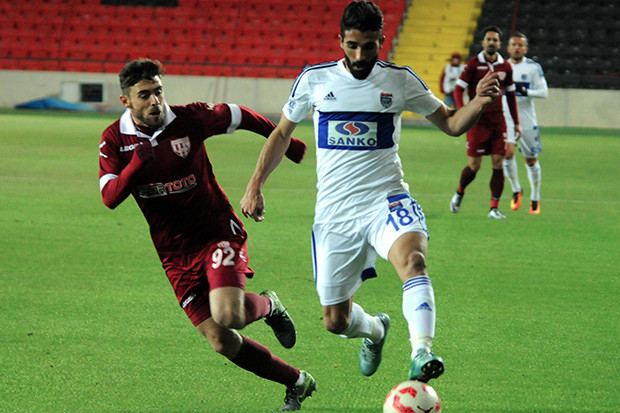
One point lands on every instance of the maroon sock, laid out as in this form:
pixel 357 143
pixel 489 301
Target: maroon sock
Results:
pixel 497 186
pixel 256 307
pixel 256 358
pixel 467 175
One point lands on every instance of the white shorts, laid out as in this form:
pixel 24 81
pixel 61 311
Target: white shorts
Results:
pixel 344 254
pixel 529 143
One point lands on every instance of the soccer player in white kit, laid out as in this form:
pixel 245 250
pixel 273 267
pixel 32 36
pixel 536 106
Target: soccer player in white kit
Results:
pixel 449 75
pixel 363 206
pixel 530 83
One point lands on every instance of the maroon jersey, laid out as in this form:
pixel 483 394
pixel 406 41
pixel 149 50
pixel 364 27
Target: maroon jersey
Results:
pixel 177 192
pixel 475 69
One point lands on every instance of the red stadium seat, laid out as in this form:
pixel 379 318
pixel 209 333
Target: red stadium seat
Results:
pixel 266 38
pixel 8 64
pixel 113 67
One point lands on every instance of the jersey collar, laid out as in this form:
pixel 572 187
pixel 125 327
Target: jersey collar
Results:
pixel 482 59
pixel 128 127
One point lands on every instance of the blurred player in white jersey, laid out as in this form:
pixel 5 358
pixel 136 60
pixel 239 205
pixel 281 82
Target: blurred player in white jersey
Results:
pixel 449 75
pixel 530 83
pixel 364 208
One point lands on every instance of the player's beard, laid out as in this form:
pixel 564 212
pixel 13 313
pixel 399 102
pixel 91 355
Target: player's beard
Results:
pixel 491 51
pixel 365 65
pixel 152 118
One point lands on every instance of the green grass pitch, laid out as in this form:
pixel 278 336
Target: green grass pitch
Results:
pixel 528 307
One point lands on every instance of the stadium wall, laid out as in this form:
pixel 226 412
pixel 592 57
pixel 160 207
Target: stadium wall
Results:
pixel 264 95
pixel 563 107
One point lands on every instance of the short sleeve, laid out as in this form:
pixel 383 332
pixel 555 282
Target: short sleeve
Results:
pixel 419 98
pixel 299 102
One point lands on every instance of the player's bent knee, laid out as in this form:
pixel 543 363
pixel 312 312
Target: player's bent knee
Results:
pixel 229 319
pixel 223 340
pixel 416 263
pixel 226 343
pixel 219 346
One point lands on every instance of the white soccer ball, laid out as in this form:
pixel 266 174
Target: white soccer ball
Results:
pixel 412 396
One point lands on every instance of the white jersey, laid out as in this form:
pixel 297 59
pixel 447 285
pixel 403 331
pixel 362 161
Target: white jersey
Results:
pixel 529 74
pixel 450 76
pixel 357 126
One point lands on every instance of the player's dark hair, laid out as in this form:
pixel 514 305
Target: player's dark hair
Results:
pixel 492 29
pixel 364 16
pixel 521 35
pixel 137 70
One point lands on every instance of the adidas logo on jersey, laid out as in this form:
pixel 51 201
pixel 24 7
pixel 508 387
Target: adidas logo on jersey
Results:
pixel 330 96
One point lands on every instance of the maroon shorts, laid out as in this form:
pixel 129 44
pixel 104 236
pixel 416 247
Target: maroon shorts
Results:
pixel 192 276
pixel 487 139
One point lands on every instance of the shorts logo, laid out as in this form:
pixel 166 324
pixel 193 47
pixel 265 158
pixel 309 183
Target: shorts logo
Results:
pixel 386 99
pixel 395 205
pixel 181 146
pixel 188 300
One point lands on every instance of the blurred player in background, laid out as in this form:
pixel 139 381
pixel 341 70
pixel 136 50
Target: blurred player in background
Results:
pixel 364 207
pixel 488 136
pixel 449 76
pixel 156 153
pixel 530 83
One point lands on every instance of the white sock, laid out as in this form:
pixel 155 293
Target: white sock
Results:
pixel 363 325
pixel 301 378
pixel 419 311
pixel 511 172
pixel 534 175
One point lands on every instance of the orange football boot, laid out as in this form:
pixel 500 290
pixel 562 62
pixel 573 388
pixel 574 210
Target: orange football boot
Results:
pixel 515 202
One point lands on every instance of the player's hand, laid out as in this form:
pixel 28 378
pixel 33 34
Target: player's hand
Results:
pixel 145 151
pixel 521 89
pixel 518 131
pixel 253 205
pixel 488 87
pixel 296 150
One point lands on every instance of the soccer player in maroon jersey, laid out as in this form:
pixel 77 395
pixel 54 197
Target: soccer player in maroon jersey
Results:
pixel 488 135
pixel 156 153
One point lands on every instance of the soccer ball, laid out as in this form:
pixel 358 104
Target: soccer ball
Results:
pixel 412 396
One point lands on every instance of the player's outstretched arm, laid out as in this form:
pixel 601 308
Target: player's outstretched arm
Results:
pixel 257 123
pixel 253 202
pixel 455 123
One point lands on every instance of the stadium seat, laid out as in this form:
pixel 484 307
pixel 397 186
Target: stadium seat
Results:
pixel 8 64
pixel 570 44
pixel 280 36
